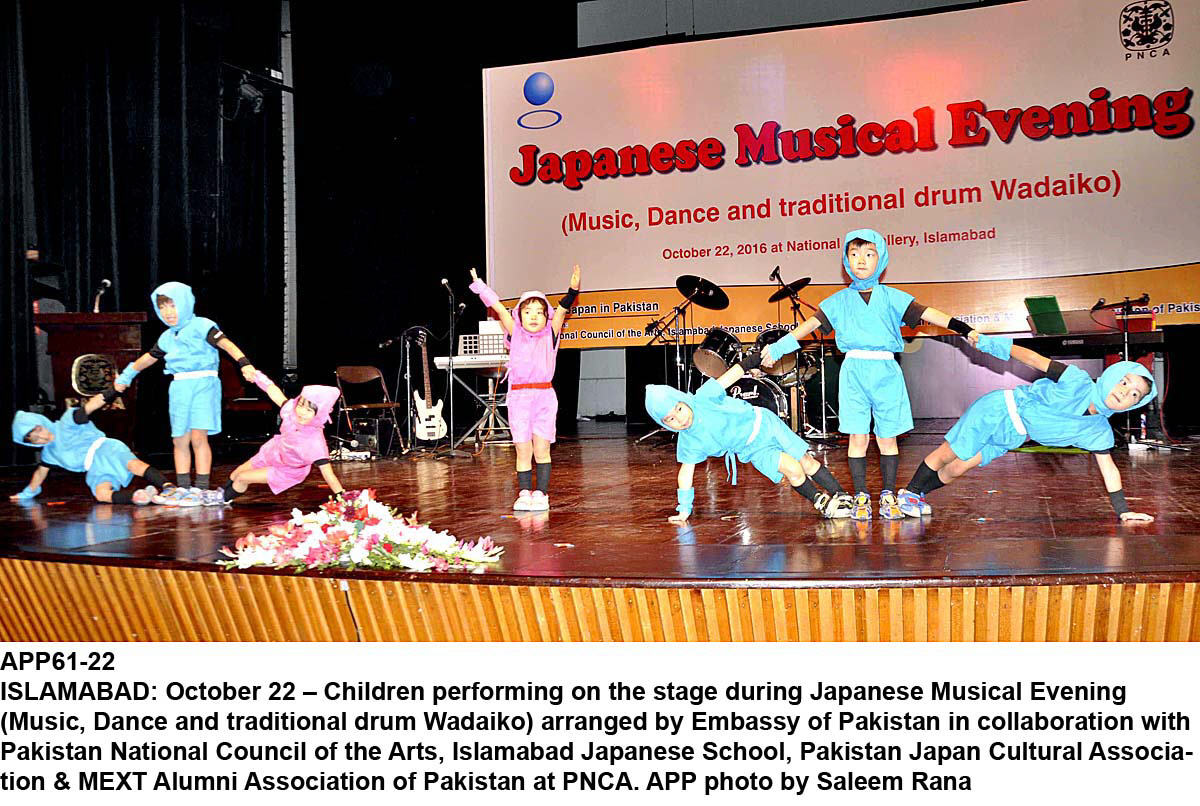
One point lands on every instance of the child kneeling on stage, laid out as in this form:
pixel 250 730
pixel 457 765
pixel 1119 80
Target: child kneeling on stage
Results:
pixel 1065 408
pixel 710 423
pixel 286 458
pixel 533 339
pixel 74 443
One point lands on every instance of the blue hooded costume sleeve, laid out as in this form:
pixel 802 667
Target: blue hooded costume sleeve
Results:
pixel 873 325
pixel 186 342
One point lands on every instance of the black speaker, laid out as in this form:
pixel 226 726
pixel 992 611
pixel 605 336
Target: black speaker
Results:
pixel 372 434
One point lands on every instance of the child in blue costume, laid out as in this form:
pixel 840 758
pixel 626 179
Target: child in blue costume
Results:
pixel 710 423
pixel 867 317
pixel 189 348
pixel 74 443
pixel 1065 408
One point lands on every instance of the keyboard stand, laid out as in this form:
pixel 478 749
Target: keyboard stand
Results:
pixel 492 421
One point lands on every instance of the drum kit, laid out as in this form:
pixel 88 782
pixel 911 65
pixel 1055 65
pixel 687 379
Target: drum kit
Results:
pixel 779 388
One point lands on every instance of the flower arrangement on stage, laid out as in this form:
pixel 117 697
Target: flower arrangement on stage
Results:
pixel 354 530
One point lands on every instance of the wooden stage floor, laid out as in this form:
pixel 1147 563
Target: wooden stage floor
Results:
pixel 1028 519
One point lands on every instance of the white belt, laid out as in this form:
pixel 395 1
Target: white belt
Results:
pixel 196 373
pixel 1010 400
pixel 871 355
pixel 757 424
pixel 91 454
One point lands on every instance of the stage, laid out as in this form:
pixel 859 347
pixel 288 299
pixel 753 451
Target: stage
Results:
pixel 1025 549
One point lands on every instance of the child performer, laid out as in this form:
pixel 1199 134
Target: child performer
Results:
pixel 189 347
pixel 532 403
pixel 710 423
pixel 867 317
pixel 1065 408
pixel 74 443
pixel 285 460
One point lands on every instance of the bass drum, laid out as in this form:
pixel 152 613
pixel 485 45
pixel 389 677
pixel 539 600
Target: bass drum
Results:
pixel 784 365
pixel 761 392
pixel 719 351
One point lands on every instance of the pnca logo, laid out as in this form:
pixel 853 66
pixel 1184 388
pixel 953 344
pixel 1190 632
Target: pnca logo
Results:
pixel 1146 29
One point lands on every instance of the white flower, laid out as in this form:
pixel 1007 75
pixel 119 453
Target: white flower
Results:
pixel 359 555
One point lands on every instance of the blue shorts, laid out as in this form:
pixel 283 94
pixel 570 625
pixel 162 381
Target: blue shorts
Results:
pixel 985 428
pixel 195 405
pixel 773 439
pixel 869 387
pixel 110 464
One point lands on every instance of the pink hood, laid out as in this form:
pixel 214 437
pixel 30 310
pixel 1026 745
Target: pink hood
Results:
pixel 324 397
pixel 516 312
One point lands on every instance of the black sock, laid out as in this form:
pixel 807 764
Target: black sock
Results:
pixel 826 480
pixel 525 479
pixel 123 496
pixel 183 480
pixel 543 476
pixel 889 464
pixel 924 480
pixel 229 492
pixel 808 490
pixel 858 473
pixel 202 481
pixel 155 476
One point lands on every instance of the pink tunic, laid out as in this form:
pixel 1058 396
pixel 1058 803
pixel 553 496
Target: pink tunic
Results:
pixel 531 359
pixel 288 457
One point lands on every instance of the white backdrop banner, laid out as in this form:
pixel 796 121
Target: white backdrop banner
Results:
pixel 1032 140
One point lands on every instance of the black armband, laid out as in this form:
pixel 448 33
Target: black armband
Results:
pixel 959 326
pixel 214 336
pixel 568 299
pixel 110 395
pixel 913 314
pixel 320 462
pixel 751 360
pixel 1118 502
pixel 243 362
pixel 1055 371
pixel 79 416
pixel 157 353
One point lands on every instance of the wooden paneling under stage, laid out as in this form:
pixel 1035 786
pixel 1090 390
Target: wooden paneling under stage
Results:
pixel 1026 549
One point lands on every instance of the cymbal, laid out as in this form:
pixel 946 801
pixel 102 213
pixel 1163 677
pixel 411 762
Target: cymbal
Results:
pixel 790 290
pixel 704 293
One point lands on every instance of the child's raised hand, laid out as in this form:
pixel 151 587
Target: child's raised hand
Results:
pixel 680 519
pixel 973 337
pixel 248 372
pixel 768 360
pixel 575 277
pixel 1140 517
pixel 474 276
pixel 97 399
pixel 120 387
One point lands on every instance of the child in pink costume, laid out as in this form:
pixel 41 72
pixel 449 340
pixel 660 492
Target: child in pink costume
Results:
pixel 286 459
pixel 532 404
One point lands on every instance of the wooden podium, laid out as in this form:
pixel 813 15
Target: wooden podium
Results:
pixel 101 343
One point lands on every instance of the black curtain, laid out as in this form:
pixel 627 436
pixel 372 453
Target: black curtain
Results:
pixel 145 166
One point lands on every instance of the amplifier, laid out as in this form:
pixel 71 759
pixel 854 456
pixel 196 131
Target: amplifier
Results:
pixel 372 434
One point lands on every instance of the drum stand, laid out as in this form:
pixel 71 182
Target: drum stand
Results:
pixel 810 431
pixel 657 330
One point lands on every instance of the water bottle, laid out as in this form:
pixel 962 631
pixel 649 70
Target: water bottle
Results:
pixel 1143 436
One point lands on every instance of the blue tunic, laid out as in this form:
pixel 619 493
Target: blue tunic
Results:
pixel 194 402
pixel 71 445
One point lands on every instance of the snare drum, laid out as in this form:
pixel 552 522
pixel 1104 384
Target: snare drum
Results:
pixel 719 351
pixel 784 365
pixel 761 392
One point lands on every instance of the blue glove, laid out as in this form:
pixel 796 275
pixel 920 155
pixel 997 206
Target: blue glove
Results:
pixel 999 346
pixel 127 375
pixel 28 493
pixel 779 349
pixel 686 497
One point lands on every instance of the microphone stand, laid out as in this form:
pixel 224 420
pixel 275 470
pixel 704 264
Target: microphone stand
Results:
pixel 452 452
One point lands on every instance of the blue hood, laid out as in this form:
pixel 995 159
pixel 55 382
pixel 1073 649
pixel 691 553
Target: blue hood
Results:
pixel 24 422
pixel 661 399
pixel 1112 376
pixel 880 247
pixel 182 296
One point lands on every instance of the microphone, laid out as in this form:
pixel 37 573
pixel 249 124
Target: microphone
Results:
pixel 775 275
pixel 1099 304
pixel 653 326
pixel 389 342
pixel 449 290
pixel 105 284
pixel 462 306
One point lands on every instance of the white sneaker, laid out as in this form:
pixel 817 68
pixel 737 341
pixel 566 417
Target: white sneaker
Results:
pixel 539 501
pixel 168 496
pixel 213 498
pixel 145 495
pixel 192 497
pixel 524 501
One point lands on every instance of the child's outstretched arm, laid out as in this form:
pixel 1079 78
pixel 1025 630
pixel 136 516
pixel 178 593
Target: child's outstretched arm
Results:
pixel 1031 359
pixel 567 302
pixel 492 300
pixel 1112 483
pixel 331 479
pixel 267 385
pixel 33 487
pixel 123 381
pixel 789 343
pixel 237 355
pixel 686 494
